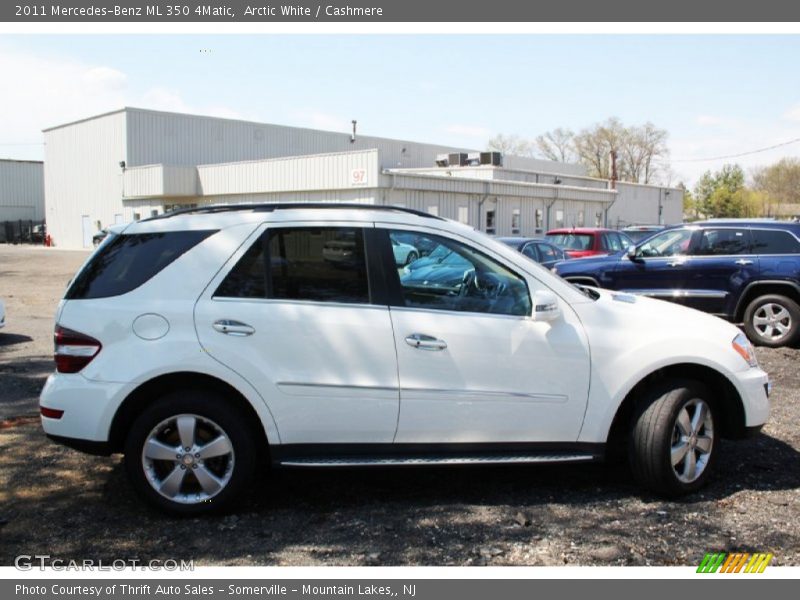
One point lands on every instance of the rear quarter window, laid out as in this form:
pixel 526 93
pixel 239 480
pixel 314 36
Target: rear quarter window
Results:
pixel 127 261
pixel 774 242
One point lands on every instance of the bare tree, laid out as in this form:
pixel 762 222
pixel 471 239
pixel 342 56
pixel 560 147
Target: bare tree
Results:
pixel 557 145
pixel 780 181
pixel 511 144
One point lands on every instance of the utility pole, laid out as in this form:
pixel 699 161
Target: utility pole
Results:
pixel 613 169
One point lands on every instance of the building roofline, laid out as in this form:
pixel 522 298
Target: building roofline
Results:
pixel 22 160
pixel 84 120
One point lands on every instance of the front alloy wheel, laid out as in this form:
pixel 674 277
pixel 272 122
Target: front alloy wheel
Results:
pixel 673 439
pixel 692 441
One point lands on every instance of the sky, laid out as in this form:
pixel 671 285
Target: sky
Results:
pixel 716 95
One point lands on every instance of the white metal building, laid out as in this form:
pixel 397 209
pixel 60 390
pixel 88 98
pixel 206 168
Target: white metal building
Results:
pixel 21 190
pixel 134 163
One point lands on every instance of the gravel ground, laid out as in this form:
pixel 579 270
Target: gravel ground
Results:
pixel 59 502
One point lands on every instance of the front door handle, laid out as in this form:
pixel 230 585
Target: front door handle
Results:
pixel 676 263
pixel 425 342
pixel 231 327
pixel 744 262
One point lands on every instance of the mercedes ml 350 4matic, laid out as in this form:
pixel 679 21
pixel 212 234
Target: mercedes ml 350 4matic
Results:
pixel 209 343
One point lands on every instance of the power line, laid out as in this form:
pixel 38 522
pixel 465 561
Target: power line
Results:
pixel 685 160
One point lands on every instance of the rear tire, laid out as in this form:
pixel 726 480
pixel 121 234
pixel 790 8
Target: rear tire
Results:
pixel 191 453
pixel 772 321
pixel 673 444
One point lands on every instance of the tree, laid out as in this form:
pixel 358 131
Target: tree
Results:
pixel 642 147
pixel 557 145
pixel 511 144
pixel 723 194
pixel 778 183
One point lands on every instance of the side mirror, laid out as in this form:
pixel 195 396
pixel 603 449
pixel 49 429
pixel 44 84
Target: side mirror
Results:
pixel 631 252
pixel 545 306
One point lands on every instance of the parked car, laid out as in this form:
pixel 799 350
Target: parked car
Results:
pixel 404 254
pixel 177 346
pixel 543 252
pixel 744 271
pixel 639 232
pixel 2 314
pixel 578 242
pixel 98 237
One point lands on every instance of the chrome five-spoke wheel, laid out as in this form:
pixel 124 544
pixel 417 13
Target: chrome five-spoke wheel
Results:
pixel 772 322
pixel 692 441
pixel 188 458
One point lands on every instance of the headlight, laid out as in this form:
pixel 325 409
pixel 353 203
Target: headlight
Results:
pixel 745 349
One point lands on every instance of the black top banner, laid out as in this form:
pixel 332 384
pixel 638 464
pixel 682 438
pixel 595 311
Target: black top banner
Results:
pixel 459 11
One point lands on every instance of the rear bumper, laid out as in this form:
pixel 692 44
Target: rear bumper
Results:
pixel 89 408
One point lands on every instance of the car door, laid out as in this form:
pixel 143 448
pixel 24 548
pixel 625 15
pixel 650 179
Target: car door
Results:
pixel 721 263
pixel 658 268
pixel 296 316
pixel 473 366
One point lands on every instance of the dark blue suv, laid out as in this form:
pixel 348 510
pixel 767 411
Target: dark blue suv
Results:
pixel 746 271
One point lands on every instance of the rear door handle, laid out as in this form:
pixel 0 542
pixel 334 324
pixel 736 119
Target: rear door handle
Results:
pixel 676 263
pixel 425 342
pixel 744 261
pixel 230 327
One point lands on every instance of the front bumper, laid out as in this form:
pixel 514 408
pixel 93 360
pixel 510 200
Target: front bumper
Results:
pixel 754 387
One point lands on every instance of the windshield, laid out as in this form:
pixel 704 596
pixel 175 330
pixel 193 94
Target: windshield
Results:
pixel 572 241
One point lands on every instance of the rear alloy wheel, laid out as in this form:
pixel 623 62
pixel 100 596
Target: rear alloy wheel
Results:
pixel 673 442
pixel 190 453
pixel 772 321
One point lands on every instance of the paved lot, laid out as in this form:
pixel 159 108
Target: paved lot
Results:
pixel 59 502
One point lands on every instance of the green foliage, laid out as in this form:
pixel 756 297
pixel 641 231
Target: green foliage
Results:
pixel 722 194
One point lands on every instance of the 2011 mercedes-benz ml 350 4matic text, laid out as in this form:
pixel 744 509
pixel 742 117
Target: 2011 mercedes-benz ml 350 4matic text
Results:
pixel 208 343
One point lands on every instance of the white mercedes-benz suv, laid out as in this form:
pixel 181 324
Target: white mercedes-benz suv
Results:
pixel 208 343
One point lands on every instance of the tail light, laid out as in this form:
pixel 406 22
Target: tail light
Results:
pixel 73 350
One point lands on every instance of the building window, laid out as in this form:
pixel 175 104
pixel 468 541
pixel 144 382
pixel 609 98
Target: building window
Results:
pixel 581 221
pixel 433 210
pixel 137 216
pixel 516 217
pixel 463 214
pixel 559 218
pixel 490 228
pixel 539 218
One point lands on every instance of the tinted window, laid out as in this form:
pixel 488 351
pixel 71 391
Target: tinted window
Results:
pixel 715 242
pixel 530 252
pixel 319 264
pixel 774 242
pixel 572 241
pixel 466 280
pixel 612 242
pixel 127 261
pixel 548 253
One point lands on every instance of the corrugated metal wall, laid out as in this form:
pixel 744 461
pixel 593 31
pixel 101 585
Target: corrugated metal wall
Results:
pixel 638 204
pixel 21 190
pixel 83 178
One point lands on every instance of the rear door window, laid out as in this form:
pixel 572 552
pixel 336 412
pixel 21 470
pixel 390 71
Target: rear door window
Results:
pixel 322 264
pixel 723 242
pixel 127 261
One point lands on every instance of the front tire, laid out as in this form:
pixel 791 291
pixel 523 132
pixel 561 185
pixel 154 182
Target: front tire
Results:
pixel 673 444
pixel 191 453
pixel 772 321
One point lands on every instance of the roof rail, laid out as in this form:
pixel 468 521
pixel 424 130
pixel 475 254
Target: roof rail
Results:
pixel 218 208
